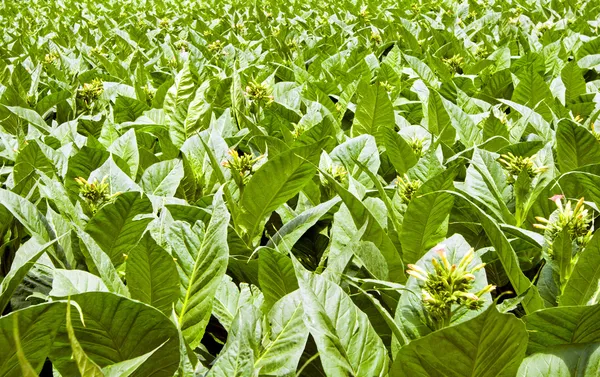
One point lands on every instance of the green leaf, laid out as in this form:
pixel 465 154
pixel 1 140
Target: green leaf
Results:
pixel 424 223
pixel 72 282
pixel 575 146
pixel 176 105
pixel 37 328
pixel 374 232
pixel 126 147
pixel 237 357
pixel 31 117
pixel 583 286
pixel 374 112
pixel 162 178
pixel 118 329
pixel 273 184
pixel 85 366
pixel 491 344
pixel 562 326
pixel 275 275
pixel 99 263
pixel 532 89
pixel 27 214
pixel 290 233
pixel 438 121
pixel 152 275
pixel 565 361
pixel 202 255
pixel 286 338
pixel 117 228
pixel 347 342
pixel 572 77
pixel 400 153
pixel 486 181
pixel 26 256
pixel 26 368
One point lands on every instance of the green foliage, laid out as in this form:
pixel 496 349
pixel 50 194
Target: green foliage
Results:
pixel 260 189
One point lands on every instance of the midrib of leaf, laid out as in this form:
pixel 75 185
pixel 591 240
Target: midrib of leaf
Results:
pixel 159 186
pixel 192 278
pixel 336 340
pixel 258 219
pixel 266 350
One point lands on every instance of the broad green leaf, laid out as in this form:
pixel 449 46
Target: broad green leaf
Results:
pixel 291 232
pixel 374 112
pixel 583 286
pixel 117 227
pixel 162 178
pixel 128 109
pixel 374 232
pixel 99 263
pixel 26 368
pixel 202 254
pixel 286 339
pixel 575 146
pixel 118 329
pixel 152 275
pixel 27 214
pixel 438 121
pixel 71 282
pixel 38 326
pixel 273 184
pixel 126 147
pixel 425 223
pixel 564 361
pixel 562 326
pixel 26 256
pixel 276 275
pixel 572 77
pixel 85 366
pixel 486 181
pixel 491 344
pixel 225 304
pixel 31 117
pixel 532 89
pixel 237 357
pixel 347 342
pixel 176 105
pixel 399 151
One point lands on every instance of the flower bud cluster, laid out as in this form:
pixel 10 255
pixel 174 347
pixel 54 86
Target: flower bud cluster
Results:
pixel 576 219
pixel 449 287
pixel 242 165
pixel 94 193
pixel 407 188
pixel 91 91
pixel 514 165
pixel 259 92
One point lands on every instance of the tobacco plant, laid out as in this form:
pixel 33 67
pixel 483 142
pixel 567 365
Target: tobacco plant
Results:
pixel 316 188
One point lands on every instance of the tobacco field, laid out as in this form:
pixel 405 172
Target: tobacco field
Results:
pixel 302 188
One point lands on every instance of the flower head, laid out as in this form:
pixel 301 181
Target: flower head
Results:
pixel 449 287
pixel 514 165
